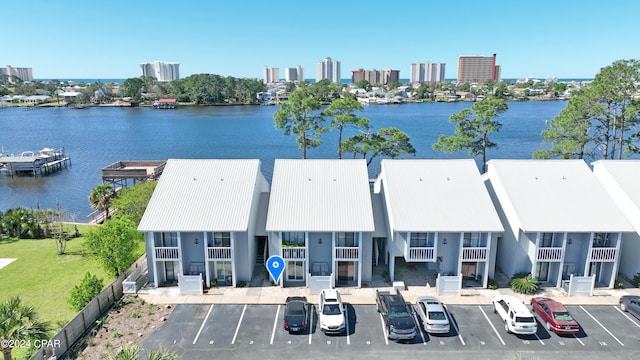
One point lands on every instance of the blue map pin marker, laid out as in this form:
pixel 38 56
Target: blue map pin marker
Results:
pixel 275 266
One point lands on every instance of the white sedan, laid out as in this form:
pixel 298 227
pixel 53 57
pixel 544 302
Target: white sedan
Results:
pixel 432 315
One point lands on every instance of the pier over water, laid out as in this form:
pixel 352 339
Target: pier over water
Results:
pixel 43 162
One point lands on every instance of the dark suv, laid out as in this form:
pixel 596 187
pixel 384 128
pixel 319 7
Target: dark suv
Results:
pixel 398 317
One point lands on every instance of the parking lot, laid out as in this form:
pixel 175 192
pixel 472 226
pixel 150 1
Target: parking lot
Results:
pixel 255 332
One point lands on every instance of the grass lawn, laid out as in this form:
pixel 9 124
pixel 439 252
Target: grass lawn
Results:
pixel 43 278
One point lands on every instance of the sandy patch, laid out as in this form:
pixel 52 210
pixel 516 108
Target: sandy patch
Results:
pixel 5 262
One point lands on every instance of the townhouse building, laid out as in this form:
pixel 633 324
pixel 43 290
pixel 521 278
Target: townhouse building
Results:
pixel 560 223
pixel 320 221
pixel 438 214
pixel 620 179
pixel 204 220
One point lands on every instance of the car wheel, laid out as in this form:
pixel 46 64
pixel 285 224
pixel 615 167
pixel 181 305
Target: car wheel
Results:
pixel 623 306
pixel 506 328
pixel 548 326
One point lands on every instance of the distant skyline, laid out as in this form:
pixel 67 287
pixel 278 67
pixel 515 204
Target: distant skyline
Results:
pixel 108 40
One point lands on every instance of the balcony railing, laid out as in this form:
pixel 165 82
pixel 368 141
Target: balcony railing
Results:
pixel 549 254
pixel 167 253
pixel 291 253
pixel 474 253
pixel 218 253
pixel 421 254
pixel 347 253
pixel 603 254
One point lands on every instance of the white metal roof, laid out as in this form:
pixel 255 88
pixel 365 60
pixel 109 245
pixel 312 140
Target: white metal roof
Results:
pixel 437 195
pixel 555 196
pixel 320 195
pixel 202 195
pixel 626 173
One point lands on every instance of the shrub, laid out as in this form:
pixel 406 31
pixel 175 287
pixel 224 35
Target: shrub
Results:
pixel 524 283
pixel 636 280
pixel 90 286
pixel 492 284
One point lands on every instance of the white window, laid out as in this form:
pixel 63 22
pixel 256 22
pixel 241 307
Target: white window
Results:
pixel 422 239
pixel 169 239
pixel 293 239
pixel 474 239
pixel 219 239
pixel 295 270
pixel 347 239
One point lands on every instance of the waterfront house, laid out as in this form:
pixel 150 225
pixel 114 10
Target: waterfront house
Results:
pixel 620 179
pixel 201 221
pixel 320 220
pixel 559 221
pixel 439 214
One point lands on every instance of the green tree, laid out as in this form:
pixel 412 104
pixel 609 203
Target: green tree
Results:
pixel 114 244
pixel 132 87
pixel 90 286
pixel 301 116
pixel 363 84
pixel 473 127
pixel 343 117
pixel 100 198
pixel 132 201
pixel 389 142
pixel 19 322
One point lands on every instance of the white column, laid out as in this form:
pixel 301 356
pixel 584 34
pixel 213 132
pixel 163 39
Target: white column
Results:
pixel 153 257
pixel 306 258
pixel 461 247
pixel 616 263
pixel 180 253
pixel 205 243
pixel 487 262
pixel 564 251
pixel 334 263
pixel 234 274
pixel 586 271
pixel 360 260
pixel 534 261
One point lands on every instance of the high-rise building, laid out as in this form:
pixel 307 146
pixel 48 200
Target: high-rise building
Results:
pixel 161 71
pixel 328 69
pixel 295 74
pixel 478 69
pixel 24 74
pixel 375 77
pixel 428 72
pixel 271 75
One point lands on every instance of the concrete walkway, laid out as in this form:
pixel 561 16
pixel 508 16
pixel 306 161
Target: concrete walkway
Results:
pixel 260 291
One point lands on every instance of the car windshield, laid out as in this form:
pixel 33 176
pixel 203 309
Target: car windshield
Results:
pixel 398 312
pixel 523 319
pixel 562 315
pixel 295 312
pixel 331 309
pixel 437 315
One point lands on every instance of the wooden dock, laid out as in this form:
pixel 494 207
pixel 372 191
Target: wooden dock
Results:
pixel 43 162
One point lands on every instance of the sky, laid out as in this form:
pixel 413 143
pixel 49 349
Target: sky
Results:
pixel 83 39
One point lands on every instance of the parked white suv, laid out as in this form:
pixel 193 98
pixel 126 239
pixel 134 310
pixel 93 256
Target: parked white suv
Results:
pixel 514 313
pixel 331 318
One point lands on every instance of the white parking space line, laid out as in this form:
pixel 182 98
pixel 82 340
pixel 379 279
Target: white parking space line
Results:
pixel 602 326
pixel 384 330
pixel 202 326
pixel 310 324
pixel 275 324
pixel 580 341
pixel 455 327
pixel 346 325
pixel 627 316
pixel 493 327
pixel 415 318
pixel 238 327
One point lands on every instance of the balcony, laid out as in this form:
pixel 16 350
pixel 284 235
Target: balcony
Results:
pixel 347 253
pixel 549 254
pixel 167 253
pixel 294 253
pixel 474 254
pixel 421 254
pixel 218 253
pixel 607 254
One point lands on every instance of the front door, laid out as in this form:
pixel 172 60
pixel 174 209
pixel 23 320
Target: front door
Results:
pixel 469 270
pixel 171 271
pixel 542 271
pixel 346 270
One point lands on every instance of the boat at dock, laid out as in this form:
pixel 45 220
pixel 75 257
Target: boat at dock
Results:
pixel 43 162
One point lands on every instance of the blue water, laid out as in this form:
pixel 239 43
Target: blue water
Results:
pixel 97 137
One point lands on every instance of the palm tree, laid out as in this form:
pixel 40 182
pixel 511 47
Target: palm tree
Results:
pixel 100 198
pixel 19 323
pixel 132 352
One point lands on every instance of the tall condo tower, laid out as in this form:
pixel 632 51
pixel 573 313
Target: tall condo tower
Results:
pixel 162 71
pixel 478 69
pixel 271 75
pixel 427 73
pixel 295 74
pixel 328 69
